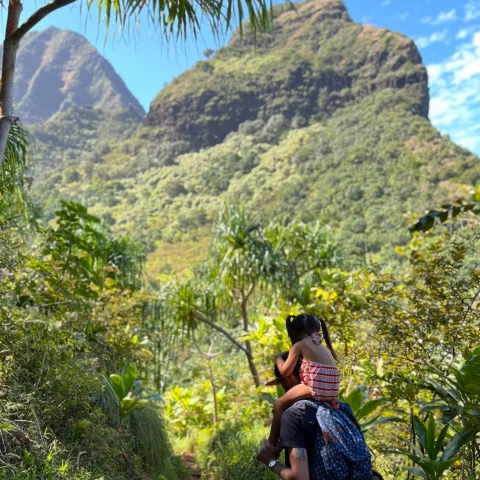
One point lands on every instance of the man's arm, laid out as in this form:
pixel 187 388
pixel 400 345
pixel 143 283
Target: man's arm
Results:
pixel 298 462
pixel 299 466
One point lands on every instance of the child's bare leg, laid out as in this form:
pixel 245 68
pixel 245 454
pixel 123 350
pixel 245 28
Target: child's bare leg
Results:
pixel 298 392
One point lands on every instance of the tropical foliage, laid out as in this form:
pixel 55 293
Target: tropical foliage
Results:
pixel 76 307
pixel 362 185
pixel 71 308
pixel 336 131
pixel 99 360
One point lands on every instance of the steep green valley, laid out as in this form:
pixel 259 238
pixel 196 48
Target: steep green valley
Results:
pixel 324 118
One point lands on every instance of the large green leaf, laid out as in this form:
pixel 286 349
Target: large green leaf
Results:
pixel 355 400
pixel 457 442
pixel 417 471
pixel 440 440
pixel 431 433
pixel 116 383
pixel 129 376
pixel 380 420
pixel 421 431
pixel 128 404
pixel 369 408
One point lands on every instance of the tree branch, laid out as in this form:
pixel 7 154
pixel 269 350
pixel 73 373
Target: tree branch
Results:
pixel 470 306
pixel 39 15
pixel 202 319
pixel 250 291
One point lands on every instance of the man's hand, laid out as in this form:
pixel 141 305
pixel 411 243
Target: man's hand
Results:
pixel 267 452
pixel 298 460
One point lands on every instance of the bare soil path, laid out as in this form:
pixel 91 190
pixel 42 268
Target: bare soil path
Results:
pixel 194 469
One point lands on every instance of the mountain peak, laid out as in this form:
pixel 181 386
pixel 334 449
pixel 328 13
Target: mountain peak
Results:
pixel 58 69
pixel 314 61
pixel 293 21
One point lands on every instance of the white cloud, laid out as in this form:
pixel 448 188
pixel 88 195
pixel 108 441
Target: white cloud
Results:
pixel 442 17
pixel 385 3
pixel 424 42
pixel 463 33
pixel 472 10
pixel 403 16
pixel 454 87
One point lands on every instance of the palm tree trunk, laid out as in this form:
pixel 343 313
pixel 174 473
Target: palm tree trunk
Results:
pixel 10 47
pixel 13 36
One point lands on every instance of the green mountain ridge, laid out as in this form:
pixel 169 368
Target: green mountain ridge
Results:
pixel 325 119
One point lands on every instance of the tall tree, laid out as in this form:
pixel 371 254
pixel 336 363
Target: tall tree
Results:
pixel 249 257
pixel 242 258
pixel 174 18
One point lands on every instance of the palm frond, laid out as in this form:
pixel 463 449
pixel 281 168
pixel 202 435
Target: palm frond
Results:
pixel 12 173
pixel 178 18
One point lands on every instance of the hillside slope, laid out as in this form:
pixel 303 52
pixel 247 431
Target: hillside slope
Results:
pixel 58 69
pixel 347 138
pixel 314 61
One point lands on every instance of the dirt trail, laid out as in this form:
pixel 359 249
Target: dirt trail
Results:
pixel 189 461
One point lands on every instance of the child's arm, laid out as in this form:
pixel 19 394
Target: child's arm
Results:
pixel 287 367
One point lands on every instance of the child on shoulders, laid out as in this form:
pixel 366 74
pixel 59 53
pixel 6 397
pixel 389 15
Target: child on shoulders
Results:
pixel 318 372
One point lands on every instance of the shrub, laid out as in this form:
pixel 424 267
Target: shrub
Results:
pixel 231 454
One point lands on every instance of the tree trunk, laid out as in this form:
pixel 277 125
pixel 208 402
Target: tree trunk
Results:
pixel 10 47
pixel 247 349
pixel 248 346
pixel 13 36
pixel 214 398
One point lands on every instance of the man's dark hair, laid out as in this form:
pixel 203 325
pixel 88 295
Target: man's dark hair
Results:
pixel 296 370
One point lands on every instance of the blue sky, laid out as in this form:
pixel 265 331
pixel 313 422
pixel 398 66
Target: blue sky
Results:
pixel 447 33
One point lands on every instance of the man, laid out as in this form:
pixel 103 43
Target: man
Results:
pixel 306 447
pixel 297 455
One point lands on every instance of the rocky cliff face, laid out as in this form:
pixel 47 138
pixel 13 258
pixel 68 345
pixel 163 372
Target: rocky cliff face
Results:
pixel 314 61
pixel 58 69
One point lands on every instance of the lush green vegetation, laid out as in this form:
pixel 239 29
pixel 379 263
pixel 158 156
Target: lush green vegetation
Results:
pixel 72 309
pixel 324 119
pixel 77 314
pixel 112 370
pixel 361 170
pixel 408 340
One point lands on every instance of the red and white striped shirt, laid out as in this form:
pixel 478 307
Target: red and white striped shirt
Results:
pixel 323 380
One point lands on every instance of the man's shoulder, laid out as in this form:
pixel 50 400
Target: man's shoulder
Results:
pixel 308 408
pixel 301 410
pixel 298 426
pixel 303 405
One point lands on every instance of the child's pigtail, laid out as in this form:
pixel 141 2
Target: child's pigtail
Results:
pixel 326 336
